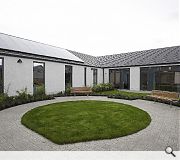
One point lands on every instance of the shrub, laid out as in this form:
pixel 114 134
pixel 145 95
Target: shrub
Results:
pixel 102 87
pixel 21 98
pixel 127 97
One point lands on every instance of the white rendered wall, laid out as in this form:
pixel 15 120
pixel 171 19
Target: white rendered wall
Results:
pixel 100 75
pixel 78 76
pixel 106 75
pixel 135 78
pixel 89 76
pixel 17 76
pixel 54 77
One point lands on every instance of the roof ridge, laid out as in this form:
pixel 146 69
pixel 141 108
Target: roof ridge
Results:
pixel 139 51
pixel 81 53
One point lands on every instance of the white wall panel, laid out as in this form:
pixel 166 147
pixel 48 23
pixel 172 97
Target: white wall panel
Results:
pixel 78 76
pixel 135 78
pixel 89 78
pixel 17 76
pixel 106 75
pixel 54 77
pixel 100 75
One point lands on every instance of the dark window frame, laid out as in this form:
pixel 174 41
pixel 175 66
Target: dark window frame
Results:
pixel 2 58
pixel 103 75
pixel 85 76
pixel 71 77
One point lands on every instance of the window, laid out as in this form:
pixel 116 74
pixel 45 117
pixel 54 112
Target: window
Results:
pixel 114 77
pixel 68 76
pixel 38 77
pixel 1 76
pixel 94 76
pixel 125 78
pixel 143 78
pixel 120 78
pixel 85 76
pixel 165 78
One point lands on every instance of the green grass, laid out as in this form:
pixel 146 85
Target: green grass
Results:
pixel 79 121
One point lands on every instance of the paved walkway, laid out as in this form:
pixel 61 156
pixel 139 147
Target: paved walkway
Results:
pixel 163 131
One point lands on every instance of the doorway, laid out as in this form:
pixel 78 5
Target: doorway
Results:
pixel 125 78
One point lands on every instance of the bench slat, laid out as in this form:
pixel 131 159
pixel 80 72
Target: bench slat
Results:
pixel 165 95
pixel 82 90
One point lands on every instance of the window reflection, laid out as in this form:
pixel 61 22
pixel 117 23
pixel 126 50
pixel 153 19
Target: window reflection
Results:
pixel 120 78
pixel 165 78
pixel 39 77
pixel 114 77
pixel 68 76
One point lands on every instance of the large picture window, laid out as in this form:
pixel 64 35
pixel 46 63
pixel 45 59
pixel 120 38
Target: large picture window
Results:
pixel 120 78
pixel 68 76
pixel 94 76
pixel 165 78
pixel 38 77
pixel 1 76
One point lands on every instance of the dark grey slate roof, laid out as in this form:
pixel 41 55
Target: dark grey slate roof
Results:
pixel 88 59
pixel 141 58
pixel 15 46
pixel 165 55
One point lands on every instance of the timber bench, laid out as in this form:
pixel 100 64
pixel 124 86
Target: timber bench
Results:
pixel 81 90
pixel 165 96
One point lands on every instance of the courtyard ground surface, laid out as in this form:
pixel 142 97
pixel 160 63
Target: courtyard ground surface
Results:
pixel 163 131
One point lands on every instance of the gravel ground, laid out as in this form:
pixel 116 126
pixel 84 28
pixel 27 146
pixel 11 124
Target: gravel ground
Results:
pixel 163 131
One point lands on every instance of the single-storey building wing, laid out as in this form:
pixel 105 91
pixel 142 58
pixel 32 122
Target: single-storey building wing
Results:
pixel 33 65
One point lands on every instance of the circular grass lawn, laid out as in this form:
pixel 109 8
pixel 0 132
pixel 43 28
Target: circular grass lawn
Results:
pixel 79 121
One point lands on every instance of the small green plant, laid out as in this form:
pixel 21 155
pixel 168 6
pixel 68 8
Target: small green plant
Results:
pixel 22 96
pixel 68 91
pixel 6 101
pixel 102 87
pixel 39 90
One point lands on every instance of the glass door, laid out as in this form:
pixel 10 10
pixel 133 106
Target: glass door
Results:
pixel 125 78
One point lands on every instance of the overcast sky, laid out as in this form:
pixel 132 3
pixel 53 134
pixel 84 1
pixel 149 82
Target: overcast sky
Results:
pixel 96 27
